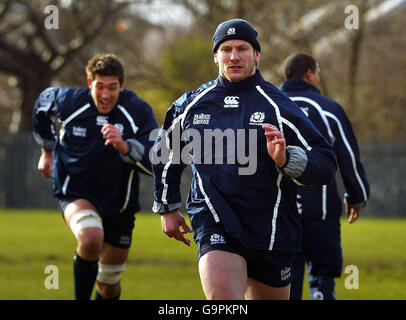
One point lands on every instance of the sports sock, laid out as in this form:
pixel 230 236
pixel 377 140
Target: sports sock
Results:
pixel 85 273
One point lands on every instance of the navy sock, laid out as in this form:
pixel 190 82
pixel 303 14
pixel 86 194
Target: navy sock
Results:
pixel 100 297
pixel 85 273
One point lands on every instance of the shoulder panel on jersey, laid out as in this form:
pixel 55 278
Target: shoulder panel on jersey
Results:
pixel 49 96
pixel 183 104
pixel 320 111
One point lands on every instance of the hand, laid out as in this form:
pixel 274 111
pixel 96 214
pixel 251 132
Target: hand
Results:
pixel 275 143
pixel 45 163
pixel 352 213
pixel 171 223
pixel 113 137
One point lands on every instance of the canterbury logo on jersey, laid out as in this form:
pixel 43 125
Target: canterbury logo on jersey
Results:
pixel 231 102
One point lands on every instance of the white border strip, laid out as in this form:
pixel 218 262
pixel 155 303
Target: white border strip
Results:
pixel 139 164
pixel 275 212
pixel 129 118
pixel 181 118
pixel 324 201
pixel 352 155
pixel 75 114
pixel 65 184
pixel 127 197
pixel 206 198
pixel 277 111
pixel 321 112
pixel 299 135
pixel 283 120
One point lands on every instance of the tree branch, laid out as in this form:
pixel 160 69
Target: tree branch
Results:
pixel 6 7
pixel 89 36
pixel 40 30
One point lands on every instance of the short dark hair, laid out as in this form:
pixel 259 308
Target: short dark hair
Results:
pixel 297 64
pixel 105 64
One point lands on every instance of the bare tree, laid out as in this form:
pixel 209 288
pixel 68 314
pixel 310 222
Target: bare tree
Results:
pixel 33 54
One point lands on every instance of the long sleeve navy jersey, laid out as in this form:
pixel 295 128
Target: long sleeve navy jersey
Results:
pixel 253 198
pixel 329 117
pixel 83 166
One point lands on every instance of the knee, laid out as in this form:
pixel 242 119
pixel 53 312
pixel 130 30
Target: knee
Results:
pixel 90 242
pixel 87 227
pixel 108 280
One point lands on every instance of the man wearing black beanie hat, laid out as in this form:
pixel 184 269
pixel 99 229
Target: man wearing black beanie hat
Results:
pixel 245 221
pixel 235 29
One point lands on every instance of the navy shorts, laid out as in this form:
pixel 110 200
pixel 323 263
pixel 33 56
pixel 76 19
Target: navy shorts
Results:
pixel 117 228
pixel 272 268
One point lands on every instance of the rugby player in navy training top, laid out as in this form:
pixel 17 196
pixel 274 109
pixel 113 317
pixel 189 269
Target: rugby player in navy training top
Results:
pixel 320 207
pixel 244 219
pixel 94 163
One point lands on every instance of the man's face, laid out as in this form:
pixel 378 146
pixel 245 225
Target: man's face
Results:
pixel 236 59
pixel 105 91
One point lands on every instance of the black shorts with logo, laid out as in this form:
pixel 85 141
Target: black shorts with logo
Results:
pixel 117 228
pixel 272 268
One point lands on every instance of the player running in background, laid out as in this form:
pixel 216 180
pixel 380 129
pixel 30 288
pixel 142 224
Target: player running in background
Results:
pixel 95 164
pixel 320 207
pixel 245 222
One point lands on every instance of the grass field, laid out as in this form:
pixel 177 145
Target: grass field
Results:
pixel 160 268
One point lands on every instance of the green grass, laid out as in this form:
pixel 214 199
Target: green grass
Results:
pixel 376 247
pixel 162 268
pixel 158 267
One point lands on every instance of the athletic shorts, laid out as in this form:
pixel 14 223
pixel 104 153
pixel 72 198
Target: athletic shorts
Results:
pixel 117 228
pixel 272 268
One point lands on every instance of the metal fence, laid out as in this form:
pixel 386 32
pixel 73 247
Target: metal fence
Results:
pixel 22 186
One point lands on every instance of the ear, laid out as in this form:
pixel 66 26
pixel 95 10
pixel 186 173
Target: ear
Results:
pixel 308 75
pixel 215 59
pixel 122 85
pixel 89 83
pixel 257 56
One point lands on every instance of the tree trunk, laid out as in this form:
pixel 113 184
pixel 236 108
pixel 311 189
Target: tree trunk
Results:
pixel 355 57
pixel 31 88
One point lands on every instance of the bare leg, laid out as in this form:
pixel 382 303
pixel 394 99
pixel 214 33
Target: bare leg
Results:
pixel 223 275
pixel 89 237
pixel 258 291
pixel 111 256
pixel 89 240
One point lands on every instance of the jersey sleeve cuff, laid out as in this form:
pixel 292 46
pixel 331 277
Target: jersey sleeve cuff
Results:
pixel 46 144
pixel 296 162
pixel 354 205
pixel 135 153
pixel 162 208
